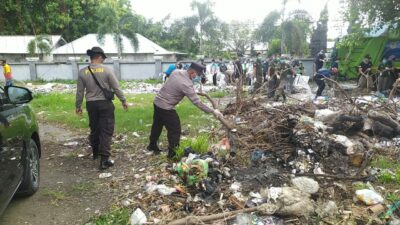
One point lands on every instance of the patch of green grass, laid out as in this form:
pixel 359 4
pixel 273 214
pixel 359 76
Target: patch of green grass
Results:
pixel 386 177
pixel 199 145
pixel 218 94
pixel 84 186
pixel 60 108
pixel 359 186
pixel 56 195
pixel 383 162
pixel 116 216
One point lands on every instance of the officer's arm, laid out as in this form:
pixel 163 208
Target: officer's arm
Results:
pixel 114 84
pixel 188 91
pixel 80 92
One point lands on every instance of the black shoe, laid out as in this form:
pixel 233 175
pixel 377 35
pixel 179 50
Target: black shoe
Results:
pixel 155 150
pixel 106 163
pixel 171 154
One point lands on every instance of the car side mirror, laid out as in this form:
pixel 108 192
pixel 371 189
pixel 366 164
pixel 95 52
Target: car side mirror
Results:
pixel 18 95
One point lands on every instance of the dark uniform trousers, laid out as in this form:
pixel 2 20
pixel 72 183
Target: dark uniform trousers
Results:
pixel 101 122
pixel 169 119
pixel 321 86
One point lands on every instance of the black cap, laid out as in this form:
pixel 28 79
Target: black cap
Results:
pixel 198 68
pixel 94 51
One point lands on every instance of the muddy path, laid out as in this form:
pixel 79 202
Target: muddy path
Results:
pixel 70 189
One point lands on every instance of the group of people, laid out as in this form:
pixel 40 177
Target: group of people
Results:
pixel 382 79
pixel 98 83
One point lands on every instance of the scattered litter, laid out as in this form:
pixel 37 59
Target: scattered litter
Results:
pixel 138 217
pixel 369 197
pixel 72 143
pixel 105 175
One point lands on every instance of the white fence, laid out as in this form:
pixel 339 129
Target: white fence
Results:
pixel 123 70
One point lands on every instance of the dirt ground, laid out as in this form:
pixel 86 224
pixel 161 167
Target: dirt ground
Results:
pixel 70 189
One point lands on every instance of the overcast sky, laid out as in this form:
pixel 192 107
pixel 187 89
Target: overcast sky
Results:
pixel 243 10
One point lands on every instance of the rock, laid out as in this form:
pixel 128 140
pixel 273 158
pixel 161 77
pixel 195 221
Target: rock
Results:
pixel 138 217
pixel 328 209
pixel 326 115
pixel 345 145
pixel 306 184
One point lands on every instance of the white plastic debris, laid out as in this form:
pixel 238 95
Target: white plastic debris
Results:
pixel 235 187
pixel 306 184
pixel 72 143
pixel 274 193
pixel 369 197
pixel 325 115
pixel 138 217
pixel 135 134
pixel 105 175
pixel 164 190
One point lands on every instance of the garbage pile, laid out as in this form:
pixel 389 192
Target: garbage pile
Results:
pixel 299 162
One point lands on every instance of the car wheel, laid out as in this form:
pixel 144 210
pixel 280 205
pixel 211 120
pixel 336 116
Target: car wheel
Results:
pixel 31 177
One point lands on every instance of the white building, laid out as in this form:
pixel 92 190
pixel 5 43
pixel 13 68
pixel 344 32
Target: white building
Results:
pixel 146 51
pixel 14 48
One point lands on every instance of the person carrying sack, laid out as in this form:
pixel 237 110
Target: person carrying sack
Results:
pixel 98 84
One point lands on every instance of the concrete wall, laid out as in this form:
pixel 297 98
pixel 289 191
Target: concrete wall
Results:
pixel 123 70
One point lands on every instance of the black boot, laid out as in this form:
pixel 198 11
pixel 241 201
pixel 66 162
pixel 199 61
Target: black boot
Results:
pixel 105 163
pixel 154 149
pixel 171 153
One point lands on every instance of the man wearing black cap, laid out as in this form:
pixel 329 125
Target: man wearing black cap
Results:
pixel 177 86
pixel 97 79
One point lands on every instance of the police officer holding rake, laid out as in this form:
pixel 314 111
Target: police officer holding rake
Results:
pixel 98 81
pixel 177 86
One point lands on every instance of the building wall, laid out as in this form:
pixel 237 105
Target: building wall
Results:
pixel 140 57
pixel 127 70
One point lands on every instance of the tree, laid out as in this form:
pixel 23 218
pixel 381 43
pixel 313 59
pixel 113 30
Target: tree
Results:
pixel 240 37
pixel 117 19
pixel 41 45
pixel 319 37
pixel 296 27
pixel 268 28
pixel 370 14
pixel 66 17
pixel 205 20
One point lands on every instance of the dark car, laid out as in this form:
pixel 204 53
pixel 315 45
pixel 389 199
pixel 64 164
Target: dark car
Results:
pixel 19 145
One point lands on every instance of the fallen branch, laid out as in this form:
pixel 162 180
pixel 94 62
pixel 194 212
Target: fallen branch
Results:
pixel 215 106
pixel 265 208
pixel 342 91
pixel 328 176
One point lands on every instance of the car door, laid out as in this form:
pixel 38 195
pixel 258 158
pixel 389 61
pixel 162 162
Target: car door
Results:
pixel 11 148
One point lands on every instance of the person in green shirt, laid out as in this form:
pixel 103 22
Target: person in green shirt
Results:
pixel 258 72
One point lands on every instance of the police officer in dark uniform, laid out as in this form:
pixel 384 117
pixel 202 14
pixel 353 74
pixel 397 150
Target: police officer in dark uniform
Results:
pixel 91 82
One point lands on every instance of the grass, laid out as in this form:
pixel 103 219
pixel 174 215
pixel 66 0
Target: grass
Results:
pixel 219 94
pixel 60 108
pixel 83 187
pixel 390 170
pixel 118 216
pixel 199 145
pixel 55 195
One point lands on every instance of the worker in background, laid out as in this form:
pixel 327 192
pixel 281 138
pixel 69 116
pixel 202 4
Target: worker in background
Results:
pixel 7 73
pixel 385 72
pixel 364 71
pixel 168 72
pixel 214 71
pixel 179 85
pixel 258 72
pixel 319 61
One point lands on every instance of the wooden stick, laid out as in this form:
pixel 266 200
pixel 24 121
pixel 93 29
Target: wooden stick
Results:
pixel 196 219
pixel 215 106
pixel 327 176
pixel 341 90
